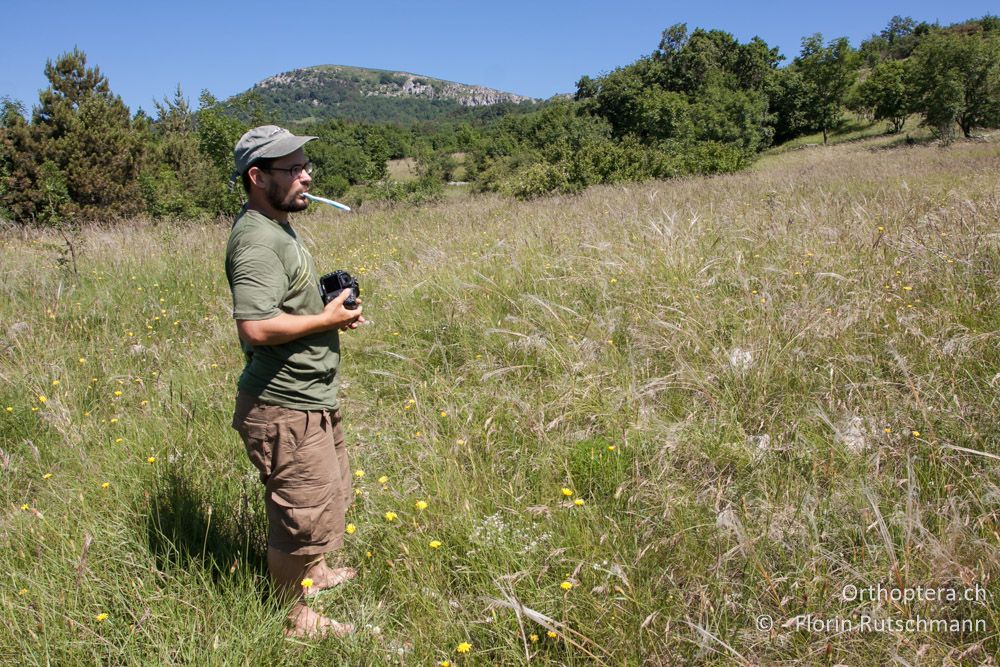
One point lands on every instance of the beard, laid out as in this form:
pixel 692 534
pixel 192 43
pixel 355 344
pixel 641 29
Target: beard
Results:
pixel 285 201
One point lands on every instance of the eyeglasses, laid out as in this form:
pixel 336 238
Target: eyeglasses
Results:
pixel 294 171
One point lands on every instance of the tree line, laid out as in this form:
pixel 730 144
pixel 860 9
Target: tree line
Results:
pixel 700 103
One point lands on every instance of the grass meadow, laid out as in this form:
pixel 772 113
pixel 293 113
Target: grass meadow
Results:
pixel 667 423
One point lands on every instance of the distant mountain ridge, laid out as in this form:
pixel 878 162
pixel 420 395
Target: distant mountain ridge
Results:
pixel 337 91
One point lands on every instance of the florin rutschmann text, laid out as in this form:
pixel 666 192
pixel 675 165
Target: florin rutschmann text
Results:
pixel 865 623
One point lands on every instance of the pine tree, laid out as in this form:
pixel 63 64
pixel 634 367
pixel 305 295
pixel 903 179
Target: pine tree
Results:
pixel 78 159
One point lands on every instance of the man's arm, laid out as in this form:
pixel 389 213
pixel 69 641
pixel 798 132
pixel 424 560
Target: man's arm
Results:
pixel 286 327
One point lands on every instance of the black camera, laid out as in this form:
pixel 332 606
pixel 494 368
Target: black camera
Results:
pixel 332 284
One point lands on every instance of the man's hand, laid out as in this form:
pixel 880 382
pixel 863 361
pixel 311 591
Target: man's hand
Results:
pixel 340 317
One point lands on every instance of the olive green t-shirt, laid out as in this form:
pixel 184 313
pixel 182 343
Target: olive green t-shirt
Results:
pixel 270 272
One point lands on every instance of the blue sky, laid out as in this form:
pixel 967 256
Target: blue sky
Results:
pixel 532 48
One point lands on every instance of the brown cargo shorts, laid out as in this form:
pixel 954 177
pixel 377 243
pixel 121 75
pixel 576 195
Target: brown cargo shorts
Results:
pixel 302 462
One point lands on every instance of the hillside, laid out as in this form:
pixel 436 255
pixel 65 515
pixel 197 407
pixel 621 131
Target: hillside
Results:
pixel 683 422
pixel 355 93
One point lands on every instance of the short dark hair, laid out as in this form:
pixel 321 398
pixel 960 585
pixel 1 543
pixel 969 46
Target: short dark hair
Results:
pixel 260 163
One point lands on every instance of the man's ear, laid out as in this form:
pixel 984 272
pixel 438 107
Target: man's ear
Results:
pixel 254 173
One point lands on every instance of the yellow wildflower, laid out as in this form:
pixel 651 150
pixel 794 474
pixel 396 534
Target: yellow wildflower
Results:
pixel 916 434
pixel 384 479
pixel 10 408
pixel 82 360
pixel 23 592
pixel 444 663
pixel 105 485
pixel 421 505
pixel 42 399
pixel 390 516
pixel 25 507
pixel 435 544
pixel 444 413
pixel 118 392
pixel 307 582
pixel 359 473
pixel 566 585
pixel 114 420
pixel 151 459
pixel 578 502
pixel 351 528
pixel 464 647
pixel 551 634
pixel 611 448
pixel 55 383
pixel 460 442
pixel 101 617
pixel 567 492
pixel 47 475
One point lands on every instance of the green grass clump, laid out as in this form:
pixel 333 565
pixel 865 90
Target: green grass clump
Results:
pixel 762 387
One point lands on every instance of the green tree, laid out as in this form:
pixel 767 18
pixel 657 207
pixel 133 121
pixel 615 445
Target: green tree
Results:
pixel 698 86
pixel 955 80
pixel 884 94
pixel 178 180
pixel 87 133
pixel 827 72
pixel 80 155
pixel 17 168
pixel 789 97
pixel 217 136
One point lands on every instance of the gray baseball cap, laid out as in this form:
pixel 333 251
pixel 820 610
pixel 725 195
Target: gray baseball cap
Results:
pixel 266 141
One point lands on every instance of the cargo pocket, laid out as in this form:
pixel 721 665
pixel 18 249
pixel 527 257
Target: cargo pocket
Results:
pixel 258 438
pixel 300 516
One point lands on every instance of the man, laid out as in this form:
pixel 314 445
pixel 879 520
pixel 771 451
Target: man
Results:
pixel 286 407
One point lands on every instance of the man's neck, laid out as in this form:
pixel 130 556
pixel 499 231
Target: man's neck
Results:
pixel 265 208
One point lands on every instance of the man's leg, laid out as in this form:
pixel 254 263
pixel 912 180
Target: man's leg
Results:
pixel 324 576
pixel 312 438
pixel 288 571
